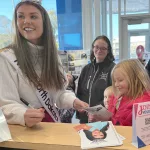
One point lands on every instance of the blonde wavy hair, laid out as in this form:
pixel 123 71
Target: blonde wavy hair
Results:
pixel 136 75
pixel 109 89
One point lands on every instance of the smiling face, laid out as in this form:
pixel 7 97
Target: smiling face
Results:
pixel 97 134
pixel 30 23
pixel 120 82
pixel 100 49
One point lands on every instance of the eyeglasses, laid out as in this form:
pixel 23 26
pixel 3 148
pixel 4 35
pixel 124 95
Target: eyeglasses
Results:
pixel 100 48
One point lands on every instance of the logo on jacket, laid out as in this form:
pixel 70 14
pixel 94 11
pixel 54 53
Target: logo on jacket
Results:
pixel 103 76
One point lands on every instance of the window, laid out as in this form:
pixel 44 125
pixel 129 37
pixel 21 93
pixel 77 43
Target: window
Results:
pixel 5 23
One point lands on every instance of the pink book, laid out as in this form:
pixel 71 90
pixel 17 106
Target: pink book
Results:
pixel 141 124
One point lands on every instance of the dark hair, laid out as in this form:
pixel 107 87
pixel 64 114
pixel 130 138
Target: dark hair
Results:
pixel 90 136
pixel 105 128
pixel 51 76
pixel 110 56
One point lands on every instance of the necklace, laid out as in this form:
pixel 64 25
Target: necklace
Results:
pixel 118 102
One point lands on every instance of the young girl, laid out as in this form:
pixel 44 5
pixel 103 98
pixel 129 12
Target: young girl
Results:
pixel 132 84
pixel 131 81
pixel 108 93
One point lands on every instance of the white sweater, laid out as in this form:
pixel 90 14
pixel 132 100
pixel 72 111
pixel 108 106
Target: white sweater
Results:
pixel 13 86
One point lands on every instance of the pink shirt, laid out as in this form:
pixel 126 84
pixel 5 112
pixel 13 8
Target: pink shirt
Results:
pixel 123 115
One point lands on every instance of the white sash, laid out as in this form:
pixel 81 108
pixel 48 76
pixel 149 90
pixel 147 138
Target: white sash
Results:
pixel 43 95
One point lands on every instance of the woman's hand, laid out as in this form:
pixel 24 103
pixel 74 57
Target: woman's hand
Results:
pixel 80 105
pixel 33 116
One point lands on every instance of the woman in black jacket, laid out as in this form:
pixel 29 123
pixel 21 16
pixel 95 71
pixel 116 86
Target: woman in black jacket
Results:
pixel 96 76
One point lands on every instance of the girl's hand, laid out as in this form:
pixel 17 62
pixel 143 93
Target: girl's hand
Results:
pixel 80 105
pixel 33 116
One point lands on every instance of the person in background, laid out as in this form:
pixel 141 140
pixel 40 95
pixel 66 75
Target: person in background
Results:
pixel 131 82
pixel 31 73
pixel 66 115
pixel 96 76
pixel 108 93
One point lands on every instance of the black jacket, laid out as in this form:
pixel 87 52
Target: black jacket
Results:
pixel 94 79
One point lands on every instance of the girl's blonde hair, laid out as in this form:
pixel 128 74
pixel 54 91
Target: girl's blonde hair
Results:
pixel 109 89
pixel 136 75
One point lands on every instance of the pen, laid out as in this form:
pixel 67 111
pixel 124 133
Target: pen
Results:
pixel 26 103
